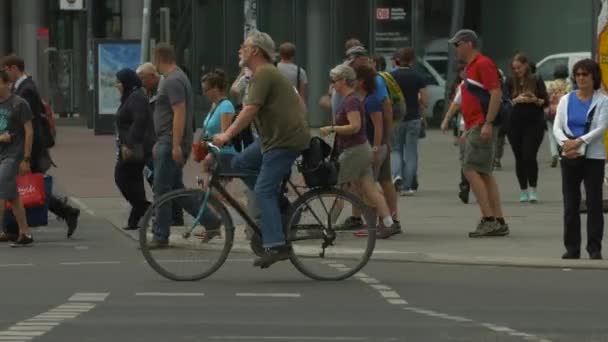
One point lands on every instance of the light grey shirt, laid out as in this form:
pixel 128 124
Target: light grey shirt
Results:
pixel 290 71
pixel 174 89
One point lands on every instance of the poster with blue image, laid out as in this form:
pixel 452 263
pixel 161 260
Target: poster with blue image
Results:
pixel 112 56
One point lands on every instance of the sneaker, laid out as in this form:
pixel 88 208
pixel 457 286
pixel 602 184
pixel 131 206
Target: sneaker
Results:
pixel 408 193
pixel 5 237
pixel 387 232
pixel 24 240
pixel 351 223
pixel 524 196
pixel 533 196
pixel 464 196
pixel 397 182
pixel 485 228
pixel 272 255
pixel 503 230
pixel 71 219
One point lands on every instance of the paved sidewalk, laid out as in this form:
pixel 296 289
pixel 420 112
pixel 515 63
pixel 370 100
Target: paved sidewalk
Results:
pixel 436 222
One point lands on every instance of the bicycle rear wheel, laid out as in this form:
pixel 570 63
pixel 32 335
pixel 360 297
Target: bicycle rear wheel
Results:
pixel 324 248
pixel 195 249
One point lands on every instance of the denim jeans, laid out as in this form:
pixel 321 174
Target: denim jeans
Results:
pixel 404 154
pixel 271 168
pixel 168 176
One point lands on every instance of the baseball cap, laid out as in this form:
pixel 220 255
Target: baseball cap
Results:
pixel 464 35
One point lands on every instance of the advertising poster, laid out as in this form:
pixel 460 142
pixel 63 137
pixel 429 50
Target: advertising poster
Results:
pixel 393 25
pixel 112 56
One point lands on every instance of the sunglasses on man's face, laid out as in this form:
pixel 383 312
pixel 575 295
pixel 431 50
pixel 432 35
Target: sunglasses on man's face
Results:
pixel 581 74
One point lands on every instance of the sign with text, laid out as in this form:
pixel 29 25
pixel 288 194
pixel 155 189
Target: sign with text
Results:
pixel 393 25
pixel 71 5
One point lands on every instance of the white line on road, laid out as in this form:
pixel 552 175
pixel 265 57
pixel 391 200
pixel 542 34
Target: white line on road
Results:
pixel 370 281
pixel 381 287
pixel 288 338
pixel 272 295
pixel 16 265
pixel 169 294
pixel 397 301
pixel 37 324
pixel 15 338
pixel 88 297
pixel 390 294
pixel 31 328
pixel 83 263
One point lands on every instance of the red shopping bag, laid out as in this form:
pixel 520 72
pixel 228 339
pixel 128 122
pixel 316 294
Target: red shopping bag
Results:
pixel 31 190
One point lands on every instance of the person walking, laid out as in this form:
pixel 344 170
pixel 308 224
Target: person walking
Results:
pixel 481 136
pixel 527 126
pixel 580 123
pixel 134 139
pixel 16 135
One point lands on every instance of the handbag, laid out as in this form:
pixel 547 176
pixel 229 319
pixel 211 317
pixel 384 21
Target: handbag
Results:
pixel 31 190
pixel 137 155
pixel 319 165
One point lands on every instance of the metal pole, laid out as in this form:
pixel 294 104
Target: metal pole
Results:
pixel 90 108
pixel 145 31
pixel 456 24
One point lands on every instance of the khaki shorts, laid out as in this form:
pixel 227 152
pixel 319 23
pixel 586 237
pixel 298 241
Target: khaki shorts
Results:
pixel 479 156
pixel 355 163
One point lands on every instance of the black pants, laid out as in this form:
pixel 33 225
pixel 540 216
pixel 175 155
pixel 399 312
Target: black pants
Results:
pixel 591 173
pixel 129 178
pixel 525 137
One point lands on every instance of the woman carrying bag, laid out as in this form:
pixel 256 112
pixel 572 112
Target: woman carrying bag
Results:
pixel 135 139
pixel 580 124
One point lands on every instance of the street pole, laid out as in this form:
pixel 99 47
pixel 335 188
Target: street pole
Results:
pixel 145 31
pixel 90 92
pixel 458 7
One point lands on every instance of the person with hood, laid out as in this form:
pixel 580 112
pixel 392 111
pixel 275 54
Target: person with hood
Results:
pixel 134 138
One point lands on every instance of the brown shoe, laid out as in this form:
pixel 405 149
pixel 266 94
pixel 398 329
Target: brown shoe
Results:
pixel 4 237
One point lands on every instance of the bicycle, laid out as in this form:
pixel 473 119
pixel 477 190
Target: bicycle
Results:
pixel 313 240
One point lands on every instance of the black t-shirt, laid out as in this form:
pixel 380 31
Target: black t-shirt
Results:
pixel 411 82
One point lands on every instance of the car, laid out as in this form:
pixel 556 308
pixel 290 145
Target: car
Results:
pixel 435 87
pixel 547 65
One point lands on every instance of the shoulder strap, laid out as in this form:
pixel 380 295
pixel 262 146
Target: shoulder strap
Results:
pixel 590 119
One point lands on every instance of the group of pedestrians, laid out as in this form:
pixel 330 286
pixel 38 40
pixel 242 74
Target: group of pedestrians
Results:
pixel 576 121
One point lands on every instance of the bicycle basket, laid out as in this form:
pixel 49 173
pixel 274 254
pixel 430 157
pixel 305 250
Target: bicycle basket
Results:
pixel 317 168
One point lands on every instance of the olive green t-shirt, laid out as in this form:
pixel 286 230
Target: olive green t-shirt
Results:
pixel 281 122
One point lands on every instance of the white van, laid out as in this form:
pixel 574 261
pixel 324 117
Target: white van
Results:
pixel 546 66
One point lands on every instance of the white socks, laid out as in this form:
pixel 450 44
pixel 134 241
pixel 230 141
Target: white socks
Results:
pixel 388 221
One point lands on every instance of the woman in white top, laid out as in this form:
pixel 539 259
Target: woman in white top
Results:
pixel 580 123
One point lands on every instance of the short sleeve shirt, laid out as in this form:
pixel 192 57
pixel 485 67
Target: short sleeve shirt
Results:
pixel 482 71
pixel 14 113
pixel 213 122
pixel 174 89
pixel 381 92
pixel 351 103
pixel 281 121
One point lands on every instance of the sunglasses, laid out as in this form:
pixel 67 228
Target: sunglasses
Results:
pixel 581 74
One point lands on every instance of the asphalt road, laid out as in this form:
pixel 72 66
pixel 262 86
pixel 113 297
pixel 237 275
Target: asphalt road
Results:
pixel 97 287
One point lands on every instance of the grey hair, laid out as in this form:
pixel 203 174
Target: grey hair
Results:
pixel 344 72
pixel 147 68
pixel 264 42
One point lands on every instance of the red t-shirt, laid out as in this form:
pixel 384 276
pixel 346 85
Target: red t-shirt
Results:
pixel 481 70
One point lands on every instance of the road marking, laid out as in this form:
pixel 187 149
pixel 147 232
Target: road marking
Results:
pixel 83 263
pixel 271 295
pixel 390 294
pixel 370 281
pixel 16 265
pixel 381 287
pixel 288 338
pixel 88 297
pixel 397 301
pixel 169 294
pixel 47 321
pixel 81 248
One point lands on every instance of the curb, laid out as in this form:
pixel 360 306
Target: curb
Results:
pixel 384 255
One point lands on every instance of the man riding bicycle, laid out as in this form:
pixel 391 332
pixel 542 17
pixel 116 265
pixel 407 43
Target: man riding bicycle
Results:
pixel 275 108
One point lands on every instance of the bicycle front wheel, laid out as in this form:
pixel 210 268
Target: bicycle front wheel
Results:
pixel 195 248
pixel 327 243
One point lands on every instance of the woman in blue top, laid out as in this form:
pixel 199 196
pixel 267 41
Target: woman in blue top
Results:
pixel 580 123
pixel 221 115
